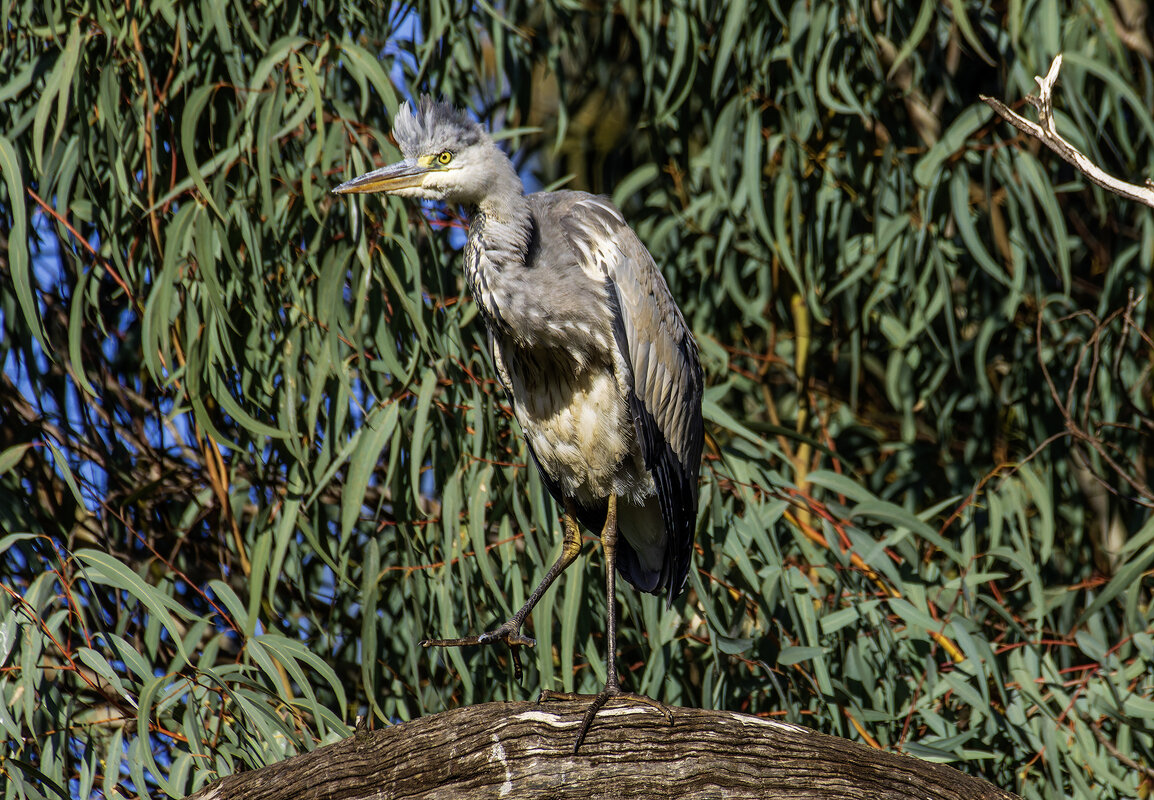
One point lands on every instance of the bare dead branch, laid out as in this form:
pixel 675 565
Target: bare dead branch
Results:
pixel 1047 134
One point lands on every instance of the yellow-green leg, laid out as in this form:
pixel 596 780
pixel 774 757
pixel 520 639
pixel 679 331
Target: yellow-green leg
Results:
pixel 510 631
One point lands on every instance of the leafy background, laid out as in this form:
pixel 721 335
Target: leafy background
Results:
pixel 252 450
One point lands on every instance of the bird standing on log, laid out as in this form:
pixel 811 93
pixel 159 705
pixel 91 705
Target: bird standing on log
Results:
pixel 601 370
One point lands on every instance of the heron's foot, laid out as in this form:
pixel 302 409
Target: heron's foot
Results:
pixel 598 701
pixel 509 633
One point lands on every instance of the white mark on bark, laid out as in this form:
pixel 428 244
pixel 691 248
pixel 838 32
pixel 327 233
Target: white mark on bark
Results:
pixel 745 719
pixel 557 721
pixel 497 753
pixel 549 719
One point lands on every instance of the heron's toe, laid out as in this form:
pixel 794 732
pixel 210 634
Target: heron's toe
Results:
pixel 598 701
pixel 513 638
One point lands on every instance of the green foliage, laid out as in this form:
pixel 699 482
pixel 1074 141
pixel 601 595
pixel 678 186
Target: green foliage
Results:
pixel 252 450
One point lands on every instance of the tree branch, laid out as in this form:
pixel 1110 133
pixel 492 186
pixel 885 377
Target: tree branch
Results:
pixel 1047 134
pixel 524 750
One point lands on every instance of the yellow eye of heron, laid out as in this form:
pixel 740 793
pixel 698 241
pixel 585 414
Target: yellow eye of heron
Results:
pixel 445 157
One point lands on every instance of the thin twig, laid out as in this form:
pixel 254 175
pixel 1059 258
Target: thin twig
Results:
pixel 1112 749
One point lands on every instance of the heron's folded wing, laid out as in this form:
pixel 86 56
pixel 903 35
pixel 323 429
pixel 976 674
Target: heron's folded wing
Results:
pixel 658 362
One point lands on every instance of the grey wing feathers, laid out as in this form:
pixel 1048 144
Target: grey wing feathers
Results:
pixel 660 363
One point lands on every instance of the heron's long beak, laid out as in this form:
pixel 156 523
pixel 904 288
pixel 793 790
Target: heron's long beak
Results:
pixel 406 174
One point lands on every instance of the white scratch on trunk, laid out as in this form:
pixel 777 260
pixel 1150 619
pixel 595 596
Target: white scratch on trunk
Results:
pixel 557 721
pixel 549 719
pixel 746 719
pixel 497 753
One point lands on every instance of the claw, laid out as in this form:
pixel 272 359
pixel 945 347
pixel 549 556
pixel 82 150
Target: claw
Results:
pixel 598 701
pixel 509 632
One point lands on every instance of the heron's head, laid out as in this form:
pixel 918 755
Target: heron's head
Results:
pixel 448 156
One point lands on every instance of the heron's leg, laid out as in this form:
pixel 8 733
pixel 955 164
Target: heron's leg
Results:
pixel 612 681
pixel 510 631
pixel 609 543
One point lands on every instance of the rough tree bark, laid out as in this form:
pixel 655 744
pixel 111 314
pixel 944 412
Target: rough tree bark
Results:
pixel 524 750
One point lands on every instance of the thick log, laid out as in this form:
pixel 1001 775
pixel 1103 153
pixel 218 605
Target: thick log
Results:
pixel 524 750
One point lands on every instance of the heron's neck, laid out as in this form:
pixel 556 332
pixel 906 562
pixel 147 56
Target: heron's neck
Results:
pixel 505 203
pixel 502 223
pixel 500 235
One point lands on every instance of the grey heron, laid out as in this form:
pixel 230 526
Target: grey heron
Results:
pixel 595 357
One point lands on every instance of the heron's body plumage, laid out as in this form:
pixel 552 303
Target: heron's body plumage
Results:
pixel 599 400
